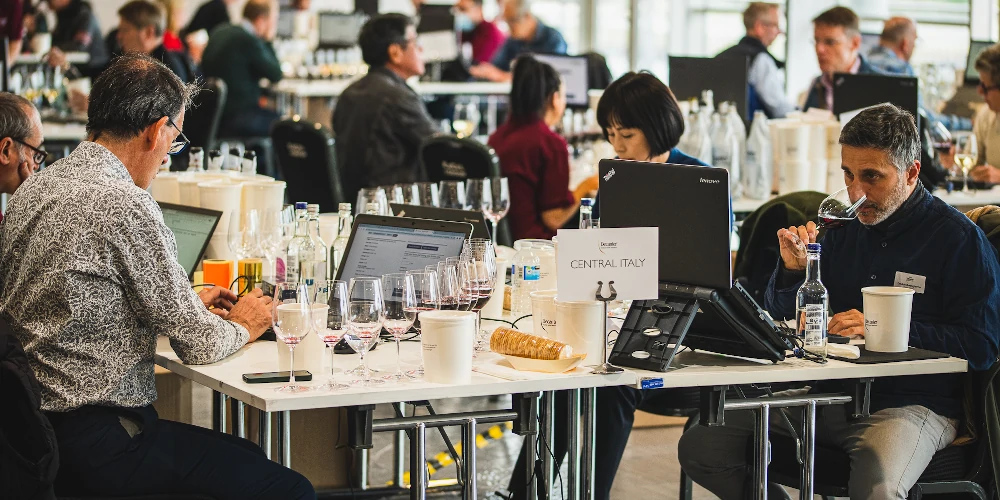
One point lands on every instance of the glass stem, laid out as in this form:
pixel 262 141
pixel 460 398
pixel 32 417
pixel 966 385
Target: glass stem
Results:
pixel 399 364
pixel 364 364
pixel 291 363
pixel 332 357
pixel 494 222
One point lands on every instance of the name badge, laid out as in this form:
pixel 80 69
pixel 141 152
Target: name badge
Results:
pixel 914 282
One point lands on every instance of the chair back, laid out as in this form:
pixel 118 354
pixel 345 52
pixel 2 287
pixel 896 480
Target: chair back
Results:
pixel 306 159
pixel 449 158
pixel 598 72
pixel 201 122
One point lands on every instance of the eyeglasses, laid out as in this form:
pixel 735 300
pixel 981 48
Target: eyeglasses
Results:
pixel 986 90
pixel 180 143
pixel 38 155
pixel 827 42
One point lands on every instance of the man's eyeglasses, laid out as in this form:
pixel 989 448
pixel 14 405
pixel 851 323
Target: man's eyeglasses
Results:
pixel 180 143
pixel 38 155
pixel 986 90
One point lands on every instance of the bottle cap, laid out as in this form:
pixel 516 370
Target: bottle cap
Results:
pixel 586 202
pixel 813 247
pixel 313 208
pixel 301 205
pixel 249 154
pixel 344 206
pixel 234 151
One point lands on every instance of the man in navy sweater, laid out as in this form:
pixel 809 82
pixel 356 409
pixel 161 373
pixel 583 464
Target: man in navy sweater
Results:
pixel 902 234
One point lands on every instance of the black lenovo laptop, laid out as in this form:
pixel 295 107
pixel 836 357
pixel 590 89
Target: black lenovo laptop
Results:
pixel 699 306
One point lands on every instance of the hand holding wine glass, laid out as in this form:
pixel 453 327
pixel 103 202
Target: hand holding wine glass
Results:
pixel 792 245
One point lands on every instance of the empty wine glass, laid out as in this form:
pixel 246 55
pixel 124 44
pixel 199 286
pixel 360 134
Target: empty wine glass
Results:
pixel 372 195
pixel 466 118
pixel 450 288
pixel 428 194
pixel 394 193
pixel 411 193
pixel 365 315
pixel 966 155
pixel 452 194
pixel 291 318
pixel 273 225
pixel 426 289
pixel 495 202
pixel 837 209
pixel 480 264
pixel 334 294
pixel 400 310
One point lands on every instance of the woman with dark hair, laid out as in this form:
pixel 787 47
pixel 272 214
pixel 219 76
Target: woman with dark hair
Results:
pixel 642 121
pixel 533 157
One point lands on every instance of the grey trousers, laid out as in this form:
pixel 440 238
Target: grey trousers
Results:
pixel 888 450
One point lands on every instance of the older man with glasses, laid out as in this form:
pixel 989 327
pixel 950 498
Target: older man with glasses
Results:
pixel 91 279
pixel 21 152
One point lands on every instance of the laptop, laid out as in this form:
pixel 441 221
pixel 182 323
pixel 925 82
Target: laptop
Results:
pixel 193 228
pixel 477 219
pixel 853 92
pixel 574 71
pixel 383 244
pixel 690 205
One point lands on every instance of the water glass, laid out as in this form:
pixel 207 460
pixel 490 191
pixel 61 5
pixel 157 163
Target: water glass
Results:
pixel 292 321
pixel 452 194
pixel 334 294
pixel 400 311
pixel 365 316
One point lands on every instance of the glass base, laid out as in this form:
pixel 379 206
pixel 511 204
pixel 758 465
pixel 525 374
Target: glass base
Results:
pixel 332 386
pixel 360 370
pixel 607 369
pixel 418 373
pixel 367 383
pixel 294 389
pixel 400 377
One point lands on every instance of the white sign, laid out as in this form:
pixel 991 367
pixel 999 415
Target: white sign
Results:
pixel 627 256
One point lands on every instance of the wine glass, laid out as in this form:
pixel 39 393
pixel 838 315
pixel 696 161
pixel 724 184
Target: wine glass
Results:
pixel 372 195
pixel 244 234
pixel 334 294
pixel 966 155
pixel 450 288
pixel 273 225
pixel 480 266
pixel 365 315
pixel 394 193
pixel 452 194
pixel 292 320
pixel 496 202
pixel 837 209
pixel 411 193
pixel 466 119
pixel 427 291
pixel 400 311
pixel 475 194
pixel 427 194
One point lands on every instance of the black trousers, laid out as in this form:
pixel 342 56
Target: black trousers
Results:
pixel 616 408
pixel 130 451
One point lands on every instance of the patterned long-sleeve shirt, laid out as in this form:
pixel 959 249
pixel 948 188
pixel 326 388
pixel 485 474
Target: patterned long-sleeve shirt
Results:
pixel 90 278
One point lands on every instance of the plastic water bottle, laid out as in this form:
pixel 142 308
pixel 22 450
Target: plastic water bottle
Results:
pixel 321 250
pixel 757 174
pixel 249 164
pixel 296 247
pixel 197 159
pixel 811 305
pixel 525 273
pixel 586 213
pixel 343 236
pixel 725 152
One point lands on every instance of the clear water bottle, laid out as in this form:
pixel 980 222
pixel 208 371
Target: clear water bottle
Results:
pixel 811 306
pixel 372 208
pixel 586 213
pixel 215 160
pixel 321 268
pixel 343 236
pixel 297 245
pixel 197 159
pixel 249 164
pixel 725 152
pixel 525 273
pixel 757 175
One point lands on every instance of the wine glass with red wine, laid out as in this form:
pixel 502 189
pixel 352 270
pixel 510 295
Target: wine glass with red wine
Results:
pixel 838 209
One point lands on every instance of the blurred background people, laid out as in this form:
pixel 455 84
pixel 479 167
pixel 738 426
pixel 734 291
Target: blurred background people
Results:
pixel 986 126
pixel 21 152
pixel 77 30
pixel 533 157
pixel 527 35
pixel 484 36
pixel 837 36
pixel 895 47
pixel 210 15
pixel 379 121
pixel 12 26
pixel 141 29
pixel 765 75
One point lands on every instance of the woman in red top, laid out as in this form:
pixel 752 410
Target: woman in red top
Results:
pixel 535 159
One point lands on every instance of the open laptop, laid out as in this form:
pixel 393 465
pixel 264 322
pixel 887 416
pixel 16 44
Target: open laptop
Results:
pixel 853 92
pixel 477 219
pixel 383 244
pixel 574 72
pixel 193 228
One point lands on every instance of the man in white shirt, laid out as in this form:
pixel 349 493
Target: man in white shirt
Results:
pixel 765 75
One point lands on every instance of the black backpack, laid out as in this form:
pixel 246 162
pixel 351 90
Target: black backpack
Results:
pixel 29 456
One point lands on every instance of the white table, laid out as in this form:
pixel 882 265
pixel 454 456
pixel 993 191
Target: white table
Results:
pixel 957 199
pixel 64 132
pixel 333 88
pixel 71 57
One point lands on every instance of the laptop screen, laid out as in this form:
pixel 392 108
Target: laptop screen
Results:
pixel 192 228
pixel 376 250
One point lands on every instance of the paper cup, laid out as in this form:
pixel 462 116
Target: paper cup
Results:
pixel 221 196
pixel 165 188
pixel 543 312
pixel 188 188
pixel 309 354
pixel 887 318
pixel 582 325
pixel 447 338
pixel 793 142
pixel 795 176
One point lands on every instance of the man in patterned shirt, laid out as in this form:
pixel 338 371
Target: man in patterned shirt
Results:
pixel 90 278
pixel 21 139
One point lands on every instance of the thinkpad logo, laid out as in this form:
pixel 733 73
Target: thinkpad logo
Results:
pixel 609 175
pixel 708 181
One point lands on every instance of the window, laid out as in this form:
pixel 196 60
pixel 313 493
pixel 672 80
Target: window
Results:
pixel 612 34
pixel 563 15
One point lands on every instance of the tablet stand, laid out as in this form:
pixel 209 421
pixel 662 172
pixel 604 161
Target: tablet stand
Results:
pixel 606 368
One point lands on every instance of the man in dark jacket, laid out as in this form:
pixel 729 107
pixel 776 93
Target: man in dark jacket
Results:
pixel 837 35
pixel 379 120
pixel 140 29
pixel 765 76
pixel 209 16
pixel 903 236
pixel 77 30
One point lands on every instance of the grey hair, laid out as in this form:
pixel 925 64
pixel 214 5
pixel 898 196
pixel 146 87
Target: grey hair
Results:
pixel 755 11
pixel 14 120
pixel 523 8
pixel 896 28
pixel 133 93
pixel 887 128
pixel 988 62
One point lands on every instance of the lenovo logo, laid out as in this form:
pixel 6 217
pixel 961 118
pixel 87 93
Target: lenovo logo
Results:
pixel 708 181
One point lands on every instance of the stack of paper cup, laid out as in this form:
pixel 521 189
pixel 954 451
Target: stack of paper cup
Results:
pixel 793 149
pixel 263 196
pixel 543 312
pixel 164 187
pixel 834 174
pixel 446 339
pixel 887 318
pixel 188 190
pixel 817 156
pixel 582 325
pixel 222 196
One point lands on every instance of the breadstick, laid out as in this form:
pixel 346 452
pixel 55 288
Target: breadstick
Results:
pixel 515 343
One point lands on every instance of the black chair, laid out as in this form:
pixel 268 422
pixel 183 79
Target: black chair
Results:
pixel 201 122
pixel 308 162
pixel 449 158
pixel 963 470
